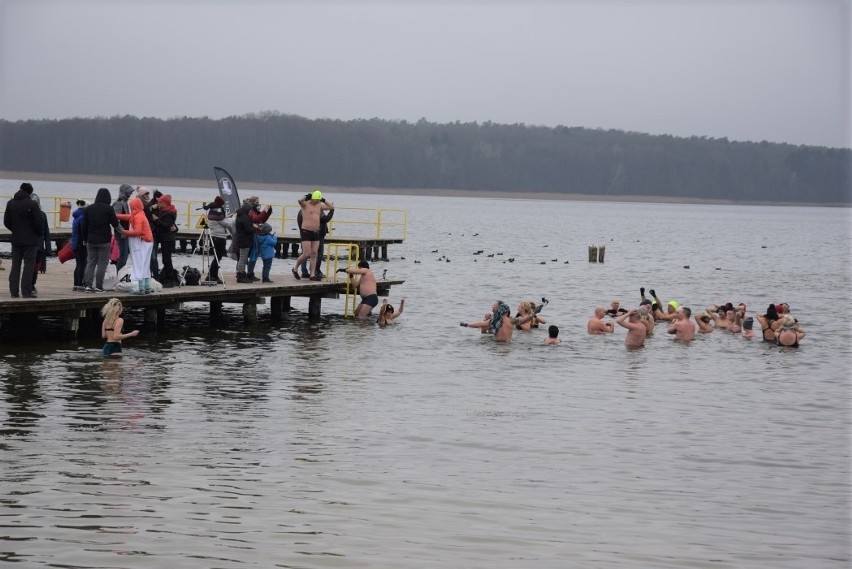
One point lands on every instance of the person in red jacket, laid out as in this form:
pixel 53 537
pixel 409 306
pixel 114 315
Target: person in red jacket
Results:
pixel 141 243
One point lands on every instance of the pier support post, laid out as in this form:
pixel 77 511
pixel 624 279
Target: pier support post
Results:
pixel 294 250
pixel 250 313
pixel 215 310
pixel 384 252
pixel 71 322
pixel 151 318
pixel 601 253
pixel 275 308
pixel 314 306
pixel 593 254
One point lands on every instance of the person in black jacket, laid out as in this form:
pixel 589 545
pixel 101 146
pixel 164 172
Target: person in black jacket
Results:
pixel 99 223
pixel 43 248
pixel 243 237
pixel 164 229
pixel 23 218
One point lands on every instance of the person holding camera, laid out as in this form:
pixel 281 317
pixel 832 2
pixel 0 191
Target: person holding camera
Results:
pixel 310 232
pixel 258 218
pixel 221 227
pixel 164 229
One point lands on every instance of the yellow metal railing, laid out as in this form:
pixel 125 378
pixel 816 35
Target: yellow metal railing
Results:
pixel 349 222
pixel 332 264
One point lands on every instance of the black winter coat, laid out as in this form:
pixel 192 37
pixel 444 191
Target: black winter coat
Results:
pixel 99 220
pixel 23 218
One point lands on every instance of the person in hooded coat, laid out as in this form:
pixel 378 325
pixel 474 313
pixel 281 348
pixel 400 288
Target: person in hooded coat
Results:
pixel 141 242
pixel 23 218
pixel 96 231
pixel 120 205
pixel 164 229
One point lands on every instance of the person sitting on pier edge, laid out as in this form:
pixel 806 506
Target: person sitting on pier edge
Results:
pixel 221 227
pixel 310 232
pixel 43 248
pixel 257 218
pixel 325 217
pixel 99 224
pixel 243 239
pixel 366 288
pixel 22 217
pixel 77 246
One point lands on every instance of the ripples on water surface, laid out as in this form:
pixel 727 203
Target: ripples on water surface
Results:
pixel 338 444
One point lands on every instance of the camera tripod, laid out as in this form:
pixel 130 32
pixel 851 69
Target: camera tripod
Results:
pixel 207 249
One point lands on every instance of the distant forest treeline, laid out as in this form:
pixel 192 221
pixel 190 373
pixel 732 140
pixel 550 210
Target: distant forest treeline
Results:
pixel 276 148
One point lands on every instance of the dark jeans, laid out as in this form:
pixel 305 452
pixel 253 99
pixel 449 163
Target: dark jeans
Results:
pixel 166 250
pixel 155 266
pixel 305 265
pixel 267 266
pixel 80 267
pixel 21 279
pixel 220 246
pixel 123 252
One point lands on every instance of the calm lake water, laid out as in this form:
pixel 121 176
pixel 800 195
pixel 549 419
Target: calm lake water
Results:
pixel 339 444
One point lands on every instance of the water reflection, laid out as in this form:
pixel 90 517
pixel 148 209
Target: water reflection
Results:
pixel 23 400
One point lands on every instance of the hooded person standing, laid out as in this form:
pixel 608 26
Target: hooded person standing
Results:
pixel 43 247
pixel 221 227
pixel 99 223
pixel 244 231
pixel 141 242
pixel 120 205
pixel 164 229
pixel 23 218
pixel 77 245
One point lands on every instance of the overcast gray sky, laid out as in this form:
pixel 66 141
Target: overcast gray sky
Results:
pixel 776 70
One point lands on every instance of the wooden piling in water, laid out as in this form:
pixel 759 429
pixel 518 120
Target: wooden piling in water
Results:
pixel 601 253
pixel 593 254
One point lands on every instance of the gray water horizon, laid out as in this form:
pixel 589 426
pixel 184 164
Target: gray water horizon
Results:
pixel 337 443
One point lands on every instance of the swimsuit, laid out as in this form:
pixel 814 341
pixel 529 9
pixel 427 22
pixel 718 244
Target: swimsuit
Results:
pixel 308 235
pixel 371 300
pixel 793 345
pixel 111 349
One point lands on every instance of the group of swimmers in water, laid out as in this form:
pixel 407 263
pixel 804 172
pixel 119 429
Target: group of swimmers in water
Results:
pixel 777 324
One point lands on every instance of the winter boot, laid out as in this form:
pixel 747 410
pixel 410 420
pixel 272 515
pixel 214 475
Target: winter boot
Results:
pixel 140 286
pixel 243 278
pixel 148 288
pixel 252 278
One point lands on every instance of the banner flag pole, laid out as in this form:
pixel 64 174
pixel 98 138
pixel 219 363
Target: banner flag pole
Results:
pixel 228 190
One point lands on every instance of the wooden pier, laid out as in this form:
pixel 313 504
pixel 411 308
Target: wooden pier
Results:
pixel 370 249
pixel 57 299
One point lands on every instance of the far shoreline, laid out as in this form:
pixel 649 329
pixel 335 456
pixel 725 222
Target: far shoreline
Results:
pixel 428 192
